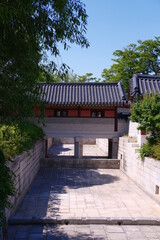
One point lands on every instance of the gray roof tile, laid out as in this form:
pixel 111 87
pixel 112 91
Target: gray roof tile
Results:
pixel 142 84
pixel 95 94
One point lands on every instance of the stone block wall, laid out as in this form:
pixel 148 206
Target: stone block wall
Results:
pixel 25 167
pixel 138 134
pixel 145 173
pixel 88 141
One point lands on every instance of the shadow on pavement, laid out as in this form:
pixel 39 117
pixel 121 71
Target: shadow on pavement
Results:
pixel 49 232
pixel 49 188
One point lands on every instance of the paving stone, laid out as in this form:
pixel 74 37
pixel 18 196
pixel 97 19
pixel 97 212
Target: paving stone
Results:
pixel 37 229
pixel 36 236
pixel 119 236
pixel 88 232
pixel 79 193
pixel 113 229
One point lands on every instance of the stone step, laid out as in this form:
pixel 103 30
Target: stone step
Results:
pixel 135 145
pixel 82 220
pixel 132 140
pixel 95 163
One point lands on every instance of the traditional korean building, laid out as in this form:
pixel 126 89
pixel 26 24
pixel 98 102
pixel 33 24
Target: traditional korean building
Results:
pixel 85 110
pixel 144 84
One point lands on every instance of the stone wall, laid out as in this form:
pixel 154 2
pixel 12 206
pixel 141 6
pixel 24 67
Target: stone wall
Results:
pixel 70 162
pixel 145 173
pixel 88 141
pixel 138 134
pixel 25 167
pixel 79 127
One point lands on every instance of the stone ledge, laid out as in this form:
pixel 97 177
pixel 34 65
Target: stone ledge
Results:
pixel 80 163
pixel 82 220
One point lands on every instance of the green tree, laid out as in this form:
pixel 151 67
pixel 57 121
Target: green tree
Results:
pixel 67 77
pixel 29 29
pixel 147 113
pixel 6 189
pixel 88 77
pixel 143 57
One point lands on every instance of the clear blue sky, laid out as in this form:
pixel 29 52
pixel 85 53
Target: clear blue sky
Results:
pixel 112 25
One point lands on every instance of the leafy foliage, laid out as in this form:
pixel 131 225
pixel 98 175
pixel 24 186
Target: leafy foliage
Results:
pixel 29 29
pixel 150 149
pixel 15 138
pixel 6 187
pixel 145 150
pixel 156 151
pixel 67 78
pixel 143 57
pixel 147 113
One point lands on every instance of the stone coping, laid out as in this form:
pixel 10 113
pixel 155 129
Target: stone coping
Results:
pixel 82 220
pixel 93 163
pixel 78 159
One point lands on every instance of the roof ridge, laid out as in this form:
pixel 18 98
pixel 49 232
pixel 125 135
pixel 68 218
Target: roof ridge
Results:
pixel 147 75
pixel 79 83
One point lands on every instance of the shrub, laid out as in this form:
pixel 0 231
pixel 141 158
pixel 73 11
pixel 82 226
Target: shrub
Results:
pixel 156 151
pixel 16 138
pixel 145 150
pixel 147 113
pixel 6 187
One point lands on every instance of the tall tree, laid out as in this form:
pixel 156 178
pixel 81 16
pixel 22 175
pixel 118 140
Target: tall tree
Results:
pixel 67 77
pixel 143 57
pixel 29 29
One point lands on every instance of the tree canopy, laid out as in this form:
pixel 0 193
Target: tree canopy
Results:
pixel 143 57
pixel 68 77
pixel 28 30
pixel 147 113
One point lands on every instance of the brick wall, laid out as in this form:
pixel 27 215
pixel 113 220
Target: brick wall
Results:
pixel 145 173
pixel 25 167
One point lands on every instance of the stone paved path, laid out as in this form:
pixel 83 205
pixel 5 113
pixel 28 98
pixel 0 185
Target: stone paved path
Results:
pixel 68 150
pixel 83 232
pixel 98 193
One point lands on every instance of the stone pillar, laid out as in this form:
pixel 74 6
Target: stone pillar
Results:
pixel 78 147
pixel 49 142
pixel 44 149
pixel 114 148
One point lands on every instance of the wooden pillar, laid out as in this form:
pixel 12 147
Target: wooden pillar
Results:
pixel 109 148
pixel 115 121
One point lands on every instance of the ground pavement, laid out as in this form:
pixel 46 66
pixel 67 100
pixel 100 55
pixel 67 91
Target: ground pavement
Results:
pixel 84 196
pixel 68 150
pixel 88 194
pixel 84 232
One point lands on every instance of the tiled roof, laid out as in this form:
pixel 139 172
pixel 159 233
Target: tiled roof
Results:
pixel 142 84
pixel 95 94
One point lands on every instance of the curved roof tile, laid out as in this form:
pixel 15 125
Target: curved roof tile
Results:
pixel 95 94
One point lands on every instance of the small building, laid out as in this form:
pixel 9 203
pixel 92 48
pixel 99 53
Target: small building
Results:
pixel 144 84
pixel 85 110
